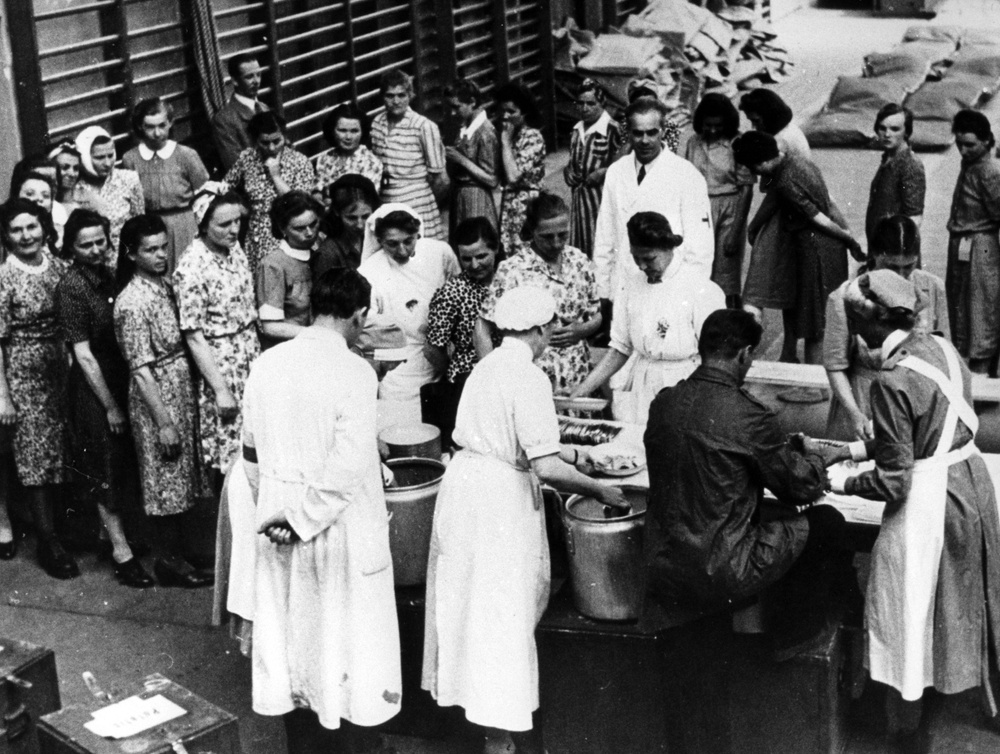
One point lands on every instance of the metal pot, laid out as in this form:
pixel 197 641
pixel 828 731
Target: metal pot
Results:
pixel 412 440
pixel 606 566
pixel 410 502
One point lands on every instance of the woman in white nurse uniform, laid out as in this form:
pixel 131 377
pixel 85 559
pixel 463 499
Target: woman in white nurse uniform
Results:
pixel 488 574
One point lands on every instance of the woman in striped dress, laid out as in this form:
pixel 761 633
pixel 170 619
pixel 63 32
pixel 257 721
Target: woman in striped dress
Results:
pixel 412 155
pixel 593 147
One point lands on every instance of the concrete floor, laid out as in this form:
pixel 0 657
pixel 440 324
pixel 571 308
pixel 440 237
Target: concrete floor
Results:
pixel 121 635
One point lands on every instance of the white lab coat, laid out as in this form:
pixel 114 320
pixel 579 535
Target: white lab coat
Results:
pixel 325 634
pixel 488 573
pixel 674 188
pixel 401 296
pixel 657 325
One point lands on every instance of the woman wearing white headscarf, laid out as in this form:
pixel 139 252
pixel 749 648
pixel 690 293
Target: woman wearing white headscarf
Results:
pixel 404 270
pixel 488 573
pixel 113 192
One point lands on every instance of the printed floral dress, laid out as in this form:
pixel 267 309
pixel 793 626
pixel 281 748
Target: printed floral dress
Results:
pixel 119 199
pixel 529 153
pixel 215 295
pixel 331 166
pixel 36 368
pixel 149 335
pixel 575 292
pixel 249 175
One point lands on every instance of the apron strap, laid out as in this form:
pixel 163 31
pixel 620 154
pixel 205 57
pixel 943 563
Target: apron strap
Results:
pixel 958 407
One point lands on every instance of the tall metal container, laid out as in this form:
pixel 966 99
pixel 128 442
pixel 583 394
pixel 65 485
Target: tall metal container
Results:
pixel 607 571
pixel 410 502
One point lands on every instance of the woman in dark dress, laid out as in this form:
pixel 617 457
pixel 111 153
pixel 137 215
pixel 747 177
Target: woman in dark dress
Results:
pixel 98 384
pixel 353 198
pixel 812 259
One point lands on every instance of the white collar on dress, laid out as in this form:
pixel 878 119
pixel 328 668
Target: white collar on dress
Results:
pixel 649 165
pixel 600 126
pixel 518 345
pixel 466 132
pixel 249 104
pixel 301 255
pixel 163 153
pixel 31 269
pixel 892 342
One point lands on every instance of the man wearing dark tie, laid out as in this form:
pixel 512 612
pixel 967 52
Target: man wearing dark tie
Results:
pixel 229 126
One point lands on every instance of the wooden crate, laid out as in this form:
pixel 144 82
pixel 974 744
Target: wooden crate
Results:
pixel 29 689
pixel 205 729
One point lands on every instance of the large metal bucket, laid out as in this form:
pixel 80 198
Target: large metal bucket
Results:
pixel 412 440
pixel 607 570
pixel 410 502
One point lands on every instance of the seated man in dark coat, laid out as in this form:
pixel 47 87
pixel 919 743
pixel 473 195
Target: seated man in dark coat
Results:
pixel 712 448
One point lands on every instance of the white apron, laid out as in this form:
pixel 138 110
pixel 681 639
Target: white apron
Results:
pixel 906 558
pixel 636 384
pixel 487 587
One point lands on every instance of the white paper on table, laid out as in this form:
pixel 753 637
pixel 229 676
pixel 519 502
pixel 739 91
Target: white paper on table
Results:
pixel 856 510
pixel 133 715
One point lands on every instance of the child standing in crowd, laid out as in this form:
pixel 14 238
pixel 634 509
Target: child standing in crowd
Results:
pixel 170 173
pixel 472 162
pixel 594 145
pixel 730 188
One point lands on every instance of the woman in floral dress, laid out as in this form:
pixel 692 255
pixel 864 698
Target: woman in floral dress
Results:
pixel 161 395
pixel 98 387
pixel 347 131
pixel 264 172
pixel 522 151
pixel 545 261
pixel 217 316
pixel 33 371
pixel 114 193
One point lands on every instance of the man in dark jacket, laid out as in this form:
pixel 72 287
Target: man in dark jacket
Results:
pixel 712 448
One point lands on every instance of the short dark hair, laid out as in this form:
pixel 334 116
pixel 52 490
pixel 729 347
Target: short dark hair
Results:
pixel 392 79
pixel 345 192
pixel 79 220
pixel 727 331
pixel 652 230
pixel 397 220
pixel 234 63
pixel 473 230
pixel 16 206
pixel 345 112
pixel 897 235
pixel 289 205
pixel 773 110
pixel 589 85
pixel 715 105
pixel 31 164
pixel 518 94
pixel 18 180
pixel 973 122
pixel 134 231
pixel 545 206
pixel 644 107
pixel 754 147
pixel 147 107
pixel 464 90
pixel 339 292
pixel 267 122
pixel 887 111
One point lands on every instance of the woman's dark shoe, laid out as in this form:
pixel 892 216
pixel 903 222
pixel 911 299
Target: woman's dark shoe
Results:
pixel 169 576
pixel 131 573
pixel 8 549
pixel 202 563
pixel 55 561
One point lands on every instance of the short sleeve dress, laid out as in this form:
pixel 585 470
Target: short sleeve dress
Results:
pixel 85 301
pixel 249 175
pixel 36 369
pixel 529 153
pixel 215 296
pixel 146 325
pixel 331 166
pixel 283 284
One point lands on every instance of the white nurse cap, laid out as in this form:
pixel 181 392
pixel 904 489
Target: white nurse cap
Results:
pixel 524 307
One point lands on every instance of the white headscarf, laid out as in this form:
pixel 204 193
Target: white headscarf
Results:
pixel 84 141
pixel 205 195
pixel 371 244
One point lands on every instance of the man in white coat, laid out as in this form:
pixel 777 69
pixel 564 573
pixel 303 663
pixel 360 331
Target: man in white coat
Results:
pixel 325 637
pixel 650 179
